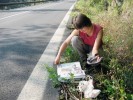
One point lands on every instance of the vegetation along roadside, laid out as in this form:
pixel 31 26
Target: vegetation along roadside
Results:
pixel 115 79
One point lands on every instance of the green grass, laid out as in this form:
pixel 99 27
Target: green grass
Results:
pixel 116 82
pixel 115 77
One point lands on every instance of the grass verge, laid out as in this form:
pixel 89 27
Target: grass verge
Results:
pixel 117 21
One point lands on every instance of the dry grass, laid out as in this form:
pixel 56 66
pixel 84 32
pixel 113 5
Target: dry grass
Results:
pixel 118 46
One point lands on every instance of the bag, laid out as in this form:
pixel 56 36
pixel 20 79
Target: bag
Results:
pixel 88 89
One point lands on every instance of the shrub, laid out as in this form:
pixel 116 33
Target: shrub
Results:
pixel 118 46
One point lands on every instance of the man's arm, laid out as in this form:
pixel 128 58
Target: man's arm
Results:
pixel 97 43
pixel 64 46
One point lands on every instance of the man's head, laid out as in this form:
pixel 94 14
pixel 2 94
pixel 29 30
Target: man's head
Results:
pixel 82 22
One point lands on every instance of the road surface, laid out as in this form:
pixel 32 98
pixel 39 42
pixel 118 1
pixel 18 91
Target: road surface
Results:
pixel 24 35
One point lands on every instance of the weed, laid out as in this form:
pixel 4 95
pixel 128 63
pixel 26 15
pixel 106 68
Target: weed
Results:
pixel 117 21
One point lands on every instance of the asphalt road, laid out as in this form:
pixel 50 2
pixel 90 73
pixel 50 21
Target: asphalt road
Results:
pixel 24 35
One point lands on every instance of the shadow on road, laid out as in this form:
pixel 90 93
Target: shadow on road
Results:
pixel 20 50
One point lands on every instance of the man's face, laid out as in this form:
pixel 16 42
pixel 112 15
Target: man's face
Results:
pixel 86 29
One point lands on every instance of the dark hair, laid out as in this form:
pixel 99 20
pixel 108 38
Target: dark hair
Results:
pixel 81 21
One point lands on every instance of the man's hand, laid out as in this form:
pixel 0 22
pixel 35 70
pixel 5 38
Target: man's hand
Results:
pixel 57 60
pixel 94 60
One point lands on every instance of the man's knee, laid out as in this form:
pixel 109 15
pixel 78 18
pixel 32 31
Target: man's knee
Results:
pixel 75 40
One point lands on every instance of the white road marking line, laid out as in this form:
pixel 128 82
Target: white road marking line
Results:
pixel 35 86
pixel 27 10
pixel 14 15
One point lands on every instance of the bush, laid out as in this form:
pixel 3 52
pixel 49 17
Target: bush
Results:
pixel 118 46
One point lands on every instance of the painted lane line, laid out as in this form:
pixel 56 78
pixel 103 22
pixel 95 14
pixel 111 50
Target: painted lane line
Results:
pixel 28 10
pixel 35 86
pixel 14 15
